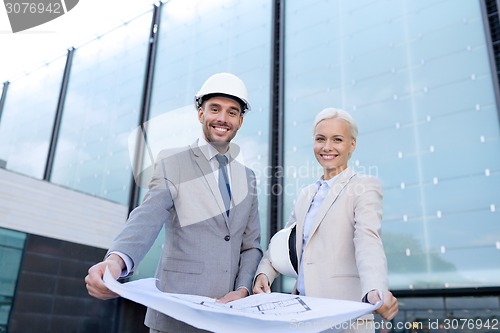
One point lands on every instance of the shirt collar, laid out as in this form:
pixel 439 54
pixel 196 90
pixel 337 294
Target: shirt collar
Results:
pixel 328 183
pixel 208 150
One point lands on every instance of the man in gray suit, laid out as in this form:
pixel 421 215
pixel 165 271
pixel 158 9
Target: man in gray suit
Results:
pixel 208 209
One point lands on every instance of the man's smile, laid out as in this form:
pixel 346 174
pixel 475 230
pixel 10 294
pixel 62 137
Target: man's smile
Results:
pixel 220 129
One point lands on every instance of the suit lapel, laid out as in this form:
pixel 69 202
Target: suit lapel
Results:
pixel 331 197
pixel 239 179
pixel 239 188
pixel 305 200
pixel 208 175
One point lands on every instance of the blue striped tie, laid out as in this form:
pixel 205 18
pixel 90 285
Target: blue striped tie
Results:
pixel 224 188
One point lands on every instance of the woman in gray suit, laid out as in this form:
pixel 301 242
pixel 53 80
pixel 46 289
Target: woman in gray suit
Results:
pixel 338 228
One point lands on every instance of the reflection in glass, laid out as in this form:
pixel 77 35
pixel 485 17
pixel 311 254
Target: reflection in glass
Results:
pixel 11 251
pixel 101 109
pixel 199 38
pixel 27 122
pixel 416 77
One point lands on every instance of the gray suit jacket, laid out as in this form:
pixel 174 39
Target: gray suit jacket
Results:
pixel 205 252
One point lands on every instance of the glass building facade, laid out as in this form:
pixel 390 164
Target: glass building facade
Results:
pixel 418 81
pixel 26 150
pixel 101 108
pixel 419 77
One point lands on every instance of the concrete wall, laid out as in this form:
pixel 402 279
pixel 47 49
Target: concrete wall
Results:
pixel 42 208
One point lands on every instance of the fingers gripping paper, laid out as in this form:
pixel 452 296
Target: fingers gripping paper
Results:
pixel 263 313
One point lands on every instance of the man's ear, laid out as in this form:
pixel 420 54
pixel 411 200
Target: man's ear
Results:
pixel 200 114
pixel 241 120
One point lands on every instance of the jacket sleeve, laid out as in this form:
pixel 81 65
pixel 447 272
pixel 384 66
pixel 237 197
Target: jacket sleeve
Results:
pixel 369 251
pixel 265 265
pixel 145 221
pixel 250 251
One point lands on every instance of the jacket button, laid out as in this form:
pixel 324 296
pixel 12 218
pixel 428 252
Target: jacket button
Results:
pixel 227 238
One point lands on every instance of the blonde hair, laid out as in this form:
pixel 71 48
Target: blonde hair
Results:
pixel 331 113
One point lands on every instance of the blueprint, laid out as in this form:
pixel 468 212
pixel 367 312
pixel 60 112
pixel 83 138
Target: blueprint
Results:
pixel 263 313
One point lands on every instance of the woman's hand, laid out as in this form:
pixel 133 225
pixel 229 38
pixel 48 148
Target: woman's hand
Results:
pixel 389 308
pixel 261 284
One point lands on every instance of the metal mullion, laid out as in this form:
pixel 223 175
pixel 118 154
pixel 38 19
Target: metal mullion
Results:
pixel 276 126
pixel 2 98
pixel 57 119
pixel 147 91
pixel 491 52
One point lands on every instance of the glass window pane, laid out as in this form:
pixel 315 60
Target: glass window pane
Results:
pixel 199 38
pixel 416 77
pixel 101 109
pixel 26 123
pixel 11 251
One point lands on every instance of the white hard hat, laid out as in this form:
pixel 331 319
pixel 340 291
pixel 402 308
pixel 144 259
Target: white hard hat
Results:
pixel 224 84
pixel 282 251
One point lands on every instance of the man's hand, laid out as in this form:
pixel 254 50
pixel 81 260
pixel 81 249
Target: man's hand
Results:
pixel 389 309
pixel 93 280
pixel 261 284
pixel 233 295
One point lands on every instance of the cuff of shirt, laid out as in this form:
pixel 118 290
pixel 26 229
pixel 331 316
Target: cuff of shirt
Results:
pixel 243 287
pixel 129 264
